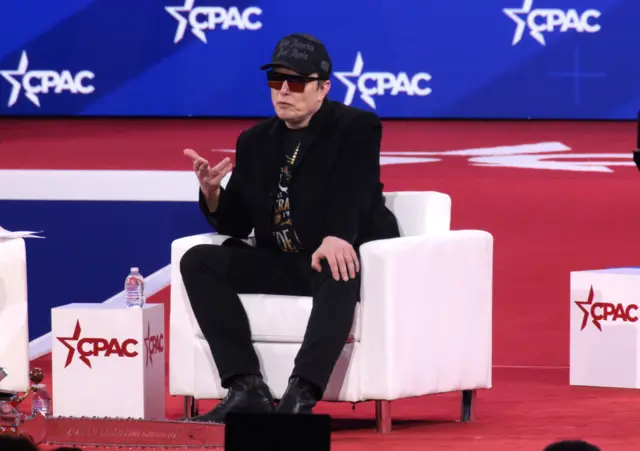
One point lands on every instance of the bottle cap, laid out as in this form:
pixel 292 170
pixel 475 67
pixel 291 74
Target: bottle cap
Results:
pixel 135 269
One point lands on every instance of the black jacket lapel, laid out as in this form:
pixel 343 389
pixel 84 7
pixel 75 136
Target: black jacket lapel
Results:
pixel 274 157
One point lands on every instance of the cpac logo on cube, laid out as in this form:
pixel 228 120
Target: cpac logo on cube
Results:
pixel 605 311
pixel 550 20
pixel 153 344
pixel 88 348
pixel 202 19
pixel 35 83
pixel 377 84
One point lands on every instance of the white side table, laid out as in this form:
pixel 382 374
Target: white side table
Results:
pixel 14 326
pixel 605 331
pixel 108 361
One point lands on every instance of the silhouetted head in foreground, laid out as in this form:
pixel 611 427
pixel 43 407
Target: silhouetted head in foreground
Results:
pixel 9 443
pixel 571 445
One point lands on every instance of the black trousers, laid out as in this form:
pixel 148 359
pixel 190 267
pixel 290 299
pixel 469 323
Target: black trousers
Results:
pixel 214 276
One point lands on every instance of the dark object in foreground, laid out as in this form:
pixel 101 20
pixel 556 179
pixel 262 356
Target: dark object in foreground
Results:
pixel 277 432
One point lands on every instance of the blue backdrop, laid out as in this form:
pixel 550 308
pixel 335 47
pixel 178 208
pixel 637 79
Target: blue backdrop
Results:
pixel 413 58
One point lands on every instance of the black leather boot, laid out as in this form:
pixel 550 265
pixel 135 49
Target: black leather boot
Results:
pixel 300 397
pixel 247 394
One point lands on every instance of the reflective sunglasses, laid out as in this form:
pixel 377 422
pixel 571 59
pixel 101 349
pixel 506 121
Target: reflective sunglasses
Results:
pixel 296 83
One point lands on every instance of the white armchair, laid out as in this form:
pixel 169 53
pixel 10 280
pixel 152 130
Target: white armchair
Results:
pixel 14 330
pixel 423 326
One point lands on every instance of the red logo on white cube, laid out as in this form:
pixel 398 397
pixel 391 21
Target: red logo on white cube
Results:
pixel 154 344
pixel 87 347
pixel 605 311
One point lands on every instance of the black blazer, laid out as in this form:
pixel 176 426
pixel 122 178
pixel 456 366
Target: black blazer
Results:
pixel 335 189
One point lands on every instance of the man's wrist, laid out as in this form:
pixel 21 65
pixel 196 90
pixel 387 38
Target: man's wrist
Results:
pixel 335 238
pixel 211 198
pixel 342 235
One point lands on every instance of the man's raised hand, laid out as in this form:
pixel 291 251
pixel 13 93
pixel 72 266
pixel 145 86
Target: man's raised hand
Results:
pixel 209 177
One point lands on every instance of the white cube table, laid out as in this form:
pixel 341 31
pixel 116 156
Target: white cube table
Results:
pixel 605 331
pixel 108 361
pixel 14 330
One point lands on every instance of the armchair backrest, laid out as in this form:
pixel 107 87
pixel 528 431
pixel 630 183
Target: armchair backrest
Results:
pixel 420 212
pixel 417 212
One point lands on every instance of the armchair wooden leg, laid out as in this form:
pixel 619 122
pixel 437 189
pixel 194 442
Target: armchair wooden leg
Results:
pixel 190 407
pixel 383 416
pixel 465 411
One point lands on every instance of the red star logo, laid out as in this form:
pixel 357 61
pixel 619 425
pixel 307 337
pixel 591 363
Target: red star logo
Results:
pixel 585 310
pixel 72 350
pixel 147 345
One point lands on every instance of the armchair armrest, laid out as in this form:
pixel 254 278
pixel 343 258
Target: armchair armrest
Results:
pixel 427 314
pixel 182 323
pixel 14 325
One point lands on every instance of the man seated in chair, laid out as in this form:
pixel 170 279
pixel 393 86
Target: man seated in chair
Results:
pixel 307 182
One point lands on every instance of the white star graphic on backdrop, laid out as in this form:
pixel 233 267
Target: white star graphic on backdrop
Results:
pixel 514 14
pixel 175 12
pixel 344 77
pixel 10 75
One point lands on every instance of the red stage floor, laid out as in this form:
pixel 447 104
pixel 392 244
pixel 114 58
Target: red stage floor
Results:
pixel 546 223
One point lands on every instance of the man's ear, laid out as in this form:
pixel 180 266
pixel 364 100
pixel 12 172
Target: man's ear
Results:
pixel 325 87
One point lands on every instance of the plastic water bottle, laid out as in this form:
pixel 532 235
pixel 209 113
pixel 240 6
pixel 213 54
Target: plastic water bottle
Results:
pixel 41 401
pixel 134 289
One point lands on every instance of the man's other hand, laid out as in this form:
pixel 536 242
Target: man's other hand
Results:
pixel 210 178
pixel 340 256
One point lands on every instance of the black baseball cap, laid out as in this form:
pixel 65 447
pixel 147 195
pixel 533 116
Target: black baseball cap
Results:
pixel 301 53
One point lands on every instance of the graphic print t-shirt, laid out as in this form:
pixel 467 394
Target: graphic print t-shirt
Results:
pixel 283 229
